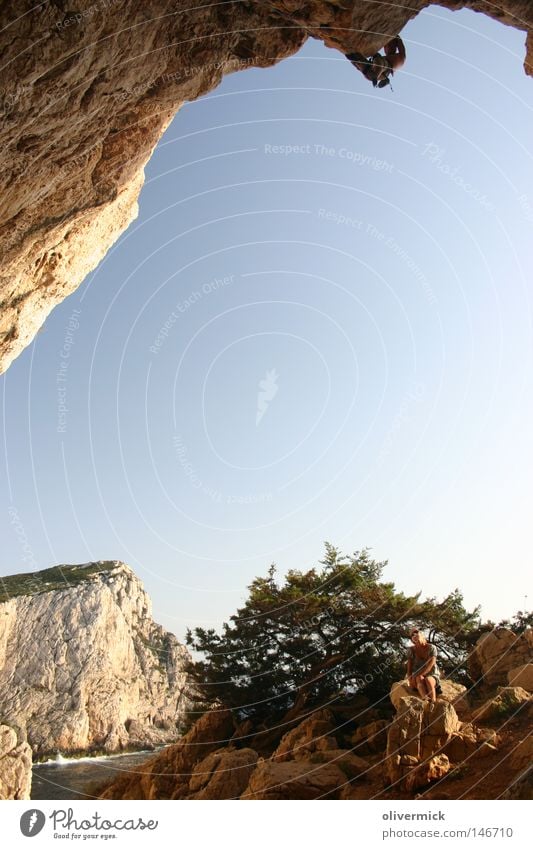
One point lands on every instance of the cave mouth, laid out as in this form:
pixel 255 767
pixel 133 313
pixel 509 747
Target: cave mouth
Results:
pixel 335 284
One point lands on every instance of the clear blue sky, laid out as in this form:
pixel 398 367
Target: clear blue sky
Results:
pixel 364 255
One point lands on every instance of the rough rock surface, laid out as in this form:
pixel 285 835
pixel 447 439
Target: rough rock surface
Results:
pixel 87 92
pixel 294 780
pixel 424 743
pixel 522 756
pixel 82 664
pixel 371 738
pixel 312 735
pixel 15 765
pixel 167 775
pixel 499 652
pixel 521 676
pixel 416 741
pixel 452 692
pixel 223 775
pixel 471 742
pixel 507 702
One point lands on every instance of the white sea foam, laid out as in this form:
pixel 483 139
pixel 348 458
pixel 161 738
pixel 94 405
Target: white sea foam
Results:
pixel 60 760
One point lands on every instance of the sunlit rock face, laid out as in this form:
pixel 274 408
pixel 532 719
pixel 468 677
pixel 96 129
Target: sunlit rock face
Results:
pixel 86 94
pixel 15 765
pixel 83 666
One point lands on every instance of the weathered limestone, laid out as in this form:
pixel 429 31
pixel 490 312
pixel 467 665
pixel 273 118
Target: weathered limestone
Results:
pixel 87 92
pixel 497 653
pixel 223 774
pixel 167 774
pixel 294 780
pixel 471 742
pixel 452 692
pixel 507 702
pixel 15 765
pixel 312 735
pixel 521 676
pixel 82 664
pixel 416 740
pixel 371 738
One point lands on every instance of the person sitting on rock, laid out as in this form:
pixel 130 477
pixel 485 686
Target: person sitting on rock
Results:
pixel 422 669
pixel 378 68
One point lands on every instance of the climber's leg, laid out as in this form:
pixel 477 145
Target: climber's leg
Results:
pixel 421 687
pixel 430 683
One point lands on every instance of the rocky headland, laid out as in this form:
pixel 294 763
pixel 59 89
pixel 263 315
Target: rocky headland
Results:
pixel 83 666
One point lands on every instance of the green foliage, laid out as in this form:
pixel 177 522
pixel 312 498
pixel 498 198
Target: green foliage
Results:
pixel 519 623
pixel 56 578
pixel 318 633
pixel 504 705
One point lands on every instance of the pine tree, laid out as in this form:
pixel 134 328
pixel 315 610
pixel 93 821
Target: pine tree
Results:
pixel 318 633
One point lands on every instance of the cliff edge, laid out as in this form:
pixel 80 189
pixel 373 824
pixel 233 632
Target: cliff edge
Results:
pixel 83 666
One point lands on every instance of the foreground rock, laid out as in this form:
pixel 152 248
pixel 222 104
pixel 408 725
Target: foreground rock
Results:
pixel 69 188
pixel 224 774
pixel 471 742
pixel 416 741
pixel 168 774
pixel 424 745
pixel 294 780
pixel 314 734
pixel 521 787
pixel 82 664
pixel 506 703
pixel 452 692
pixel 521 676
pixel 15 765
pixel 371 738
pixel 498 654
pixel 522 756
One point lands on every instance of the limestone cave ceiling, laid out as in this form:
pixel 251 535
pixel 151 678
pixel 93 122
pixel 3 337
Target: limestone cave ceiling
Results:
pixel 87 90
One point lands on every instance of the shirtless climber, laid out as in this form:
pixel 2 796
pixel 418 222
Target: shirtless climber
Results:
pixel 379 68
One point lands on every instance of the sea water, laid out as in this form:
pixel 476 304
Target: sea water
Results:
pixel 75 778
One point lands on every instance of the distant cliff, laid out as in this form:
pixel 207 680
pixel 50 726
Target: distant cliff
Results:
pixel 83 667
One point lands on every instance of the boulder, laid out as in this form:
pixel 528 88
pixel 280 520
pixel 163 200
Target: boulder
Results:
pixel 471 742
pixel 426 772
pixel 223 774
pixel 522 755
pixel 294 780
pixel 167 774
pixel 311 735
pixel 15 764
pixel 498 652
pixel 351 765
pixel 371 738
pixel 451 692
pixel 417 736
pixel 507 701
pixel 521 676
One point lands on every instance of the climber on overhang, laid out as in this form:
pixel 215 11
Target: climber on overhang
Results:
pixel 378 68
